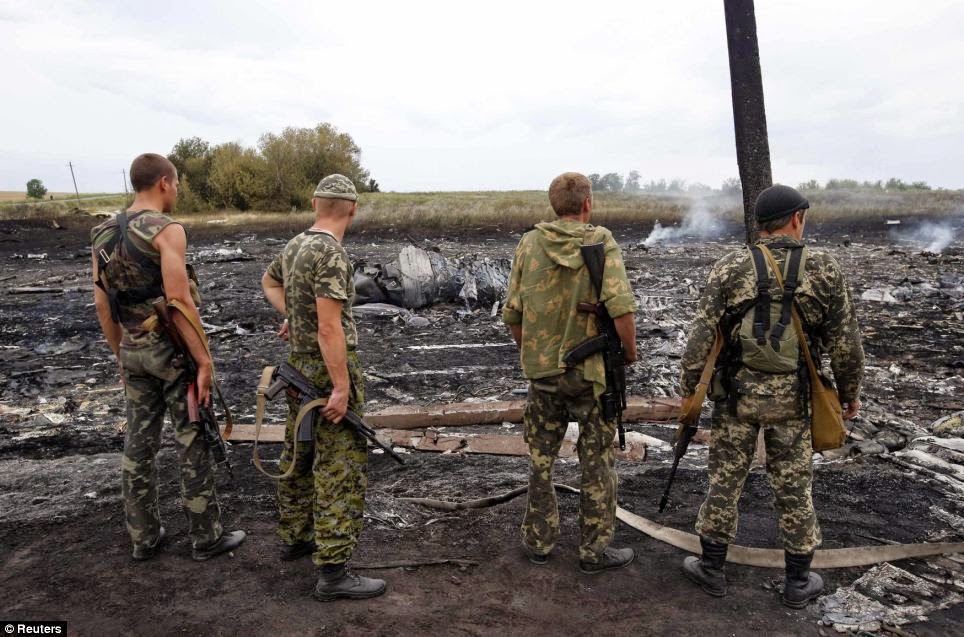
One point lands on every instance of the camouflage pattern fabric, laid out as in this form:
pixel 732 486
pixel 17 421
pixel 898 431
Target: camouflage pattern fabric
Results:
pixel 552 402
pixel 324 499
pixel 153 386
pixel 313 264
pixel 336 187
pixel 124 273
pixel 548 281
pixel 826 307
pixel 786 434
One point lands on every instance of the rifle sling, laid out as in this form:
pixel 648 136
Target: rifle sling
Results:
pixel 199 330
pixel 303 413
pixel 692 405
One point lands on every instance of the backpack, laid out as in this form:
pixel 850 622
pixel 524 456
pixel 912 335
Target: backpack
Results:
pixel 768 342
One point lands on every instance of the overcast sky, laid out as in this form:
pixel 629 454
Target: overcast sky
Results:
pixel 484 95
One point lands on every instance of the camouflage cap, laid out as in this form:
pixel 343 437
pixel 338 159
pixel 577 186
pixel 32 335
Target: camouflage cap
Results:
pixel 336 187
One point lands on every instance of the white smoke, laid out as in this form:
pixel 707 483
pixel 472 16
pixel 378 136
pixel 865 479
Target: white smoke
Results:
pixel 935 237
pixel 698 222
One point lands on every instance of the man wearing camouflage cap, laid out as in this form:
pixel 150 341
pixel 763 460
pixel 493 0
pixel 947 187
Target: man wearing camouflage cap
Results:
pixel 549 280
pixel 321 504
pixel 761 382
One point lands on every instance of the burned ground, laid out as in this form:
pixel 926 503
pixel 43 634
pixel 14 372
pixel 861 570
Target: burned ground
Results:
pixel 65 553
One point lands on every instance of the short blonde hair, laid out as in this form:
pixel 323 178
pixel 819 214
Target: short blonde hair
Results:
pixel 567 192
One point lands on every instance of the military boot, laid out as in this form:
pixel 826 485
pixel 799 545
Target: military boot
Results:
pixel 227 542
pixel 291 552
pixel 801 585
pixel 142 553
pixel 707 571
pixel 611 559
pixel 337 582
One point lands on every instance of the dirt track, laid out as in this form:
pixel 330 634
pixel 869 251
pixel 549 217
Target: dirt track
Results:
pixel 65 555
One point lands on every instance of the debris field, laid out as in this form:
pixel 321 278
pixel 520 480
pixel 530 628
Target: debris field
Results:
pixel 64 553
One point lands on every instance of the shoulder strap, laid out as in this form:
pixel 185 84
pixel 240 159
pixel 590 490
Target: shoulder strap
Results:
pixel 797 323
pixel 133 251
pixel 761 312
pixel 790 284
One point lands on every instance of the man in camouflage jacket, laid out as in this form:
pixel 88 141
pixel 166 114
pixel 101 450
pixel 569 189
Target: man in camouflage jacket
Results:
pixel 321 505
pixel 150 263
pixel 548 280
pixel 773 402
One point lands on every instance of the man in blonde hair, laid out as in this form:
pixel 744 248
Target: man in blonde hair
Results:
pixel 549 280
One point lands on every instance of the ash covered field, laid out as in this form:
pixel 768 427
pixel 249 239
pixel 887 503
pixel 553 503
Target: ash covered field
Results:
pixel 65 554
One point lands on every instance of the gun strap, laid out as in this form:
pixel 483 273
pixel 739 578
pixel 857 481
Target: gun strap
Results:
pixel 199 330
pixel 303 413
pixel 692 405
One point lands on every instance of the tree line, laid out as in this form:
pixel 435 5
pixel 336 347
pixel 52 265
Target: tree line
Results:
pixel 632 183
pixel 280 173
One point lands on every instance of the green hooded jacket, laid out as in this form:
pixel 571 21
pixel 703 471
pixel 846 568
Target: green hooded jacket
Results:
pixel 549 279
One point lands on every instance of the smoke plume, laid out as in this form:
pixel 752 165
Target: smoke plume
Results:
pixel 699 222
pixel 935 237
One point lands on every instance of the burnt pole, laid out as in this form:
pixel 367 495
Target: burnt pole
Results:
pixel 749 113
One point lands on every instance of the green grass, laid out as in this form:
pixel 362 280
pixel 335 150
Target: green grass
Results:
pixel 515 210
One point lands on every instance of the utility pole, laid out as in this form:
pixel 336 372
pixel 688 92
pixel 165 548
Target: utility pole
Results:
pixel 124 172
pixel 749 112
pixel 77 192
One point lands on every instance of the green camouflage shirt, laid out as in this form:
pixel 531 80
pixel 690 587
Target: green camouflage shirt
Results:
pixel 825 305
pixel 549 279
pixel 124 273
pixel 313 265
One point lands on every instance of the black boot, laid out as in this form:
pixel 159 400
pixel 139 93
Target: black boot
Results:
pixel 610 559
pixel 801 585
pixel 337 582
pixel 224 544
pixel 291 552
pixel 707 571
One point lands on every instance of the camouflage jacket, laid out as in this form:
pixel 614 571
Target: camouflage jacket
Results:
pixel 825 305
pixel 548 280
pixel 124 273
pixel 313 264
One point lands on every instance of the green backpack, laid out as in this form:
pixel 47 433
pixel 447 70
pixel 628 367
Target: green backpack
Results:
pixel 767 339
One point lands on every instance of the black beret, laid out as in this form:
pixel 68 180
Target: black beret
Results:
pixel 778 201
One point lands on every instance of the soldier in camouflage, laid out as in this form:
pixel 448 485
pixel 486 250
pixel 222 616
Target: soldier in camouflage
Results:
pixel 775 403
pixel 150 263
pixel 321 505
pixel 548 280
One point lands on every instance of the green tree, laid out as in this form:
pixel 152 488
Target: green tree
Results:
pixel 611 182
pixel 372 186
pixel 595 180
pixel 238 177
pixel 732 186
pixel 811 184
pixel 36 189
pixel 192 158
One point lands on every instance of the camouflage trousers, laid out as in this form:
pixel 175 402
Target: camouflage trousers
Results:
pixel 789 469
pixel 552 403
pixel 324 498
pixel 153 388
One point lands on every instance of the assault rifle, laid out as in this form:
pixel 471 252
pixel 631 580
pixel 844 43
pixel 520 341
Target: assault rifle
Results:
pixel 198 414
pixel 684 436
pixel 613 400
pixel 301 389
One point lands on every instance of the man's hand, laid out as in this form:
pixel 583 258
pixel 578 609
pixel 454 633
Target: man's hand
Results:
pixel 283 332
pixel 630 356
pixel 337 405
pixel 120 371
pixel 204 377
pixel 851 409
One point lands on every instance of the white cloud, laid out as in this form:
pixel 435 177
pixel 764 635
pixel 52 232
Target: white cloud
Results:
pixel 443 95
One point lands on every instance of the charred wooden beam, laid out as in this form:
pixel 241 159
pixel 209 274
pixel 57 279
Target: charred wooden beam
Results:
pixel 749 112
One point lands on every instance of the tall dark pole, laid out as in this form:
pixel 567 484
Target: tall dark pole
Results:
pixel 749 113
pixel 77 192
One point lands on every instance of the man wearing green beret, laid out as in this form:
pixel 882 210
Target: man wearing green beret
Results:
pixel 761 383
pixel 321 503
